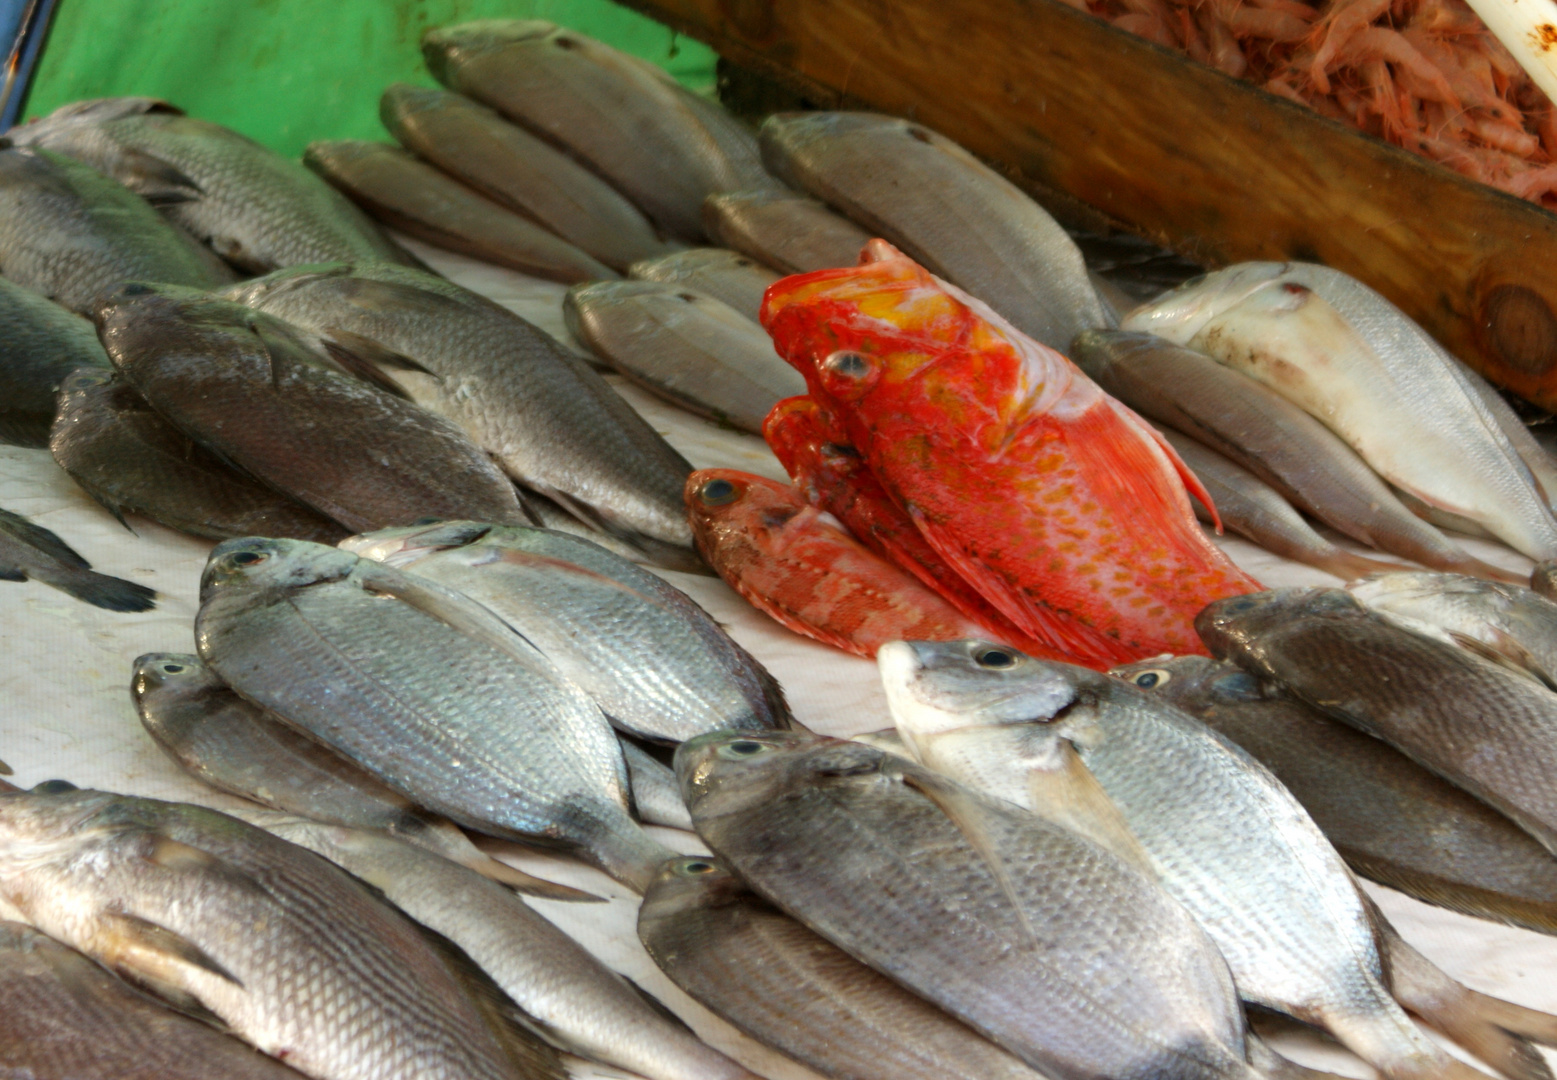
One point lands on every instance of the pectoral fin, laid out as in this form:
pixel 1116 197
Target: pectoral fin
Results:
pixel 1070 796
pixel 145 951
pixel 449 608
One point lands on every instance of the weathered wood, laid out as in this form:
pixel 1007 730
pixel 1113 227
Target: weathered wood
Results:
pixel 1212 167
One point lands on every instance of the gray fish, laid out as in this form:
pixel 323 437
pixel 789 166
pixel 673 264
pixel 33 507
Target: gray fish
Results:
pixel 685 346
pixel 656 663
pixel 69 232
pixel 656 794
pixel 30 552
pixel 1046 943
pixel 43 344
pixel 957 217
pixel 546 514
pixel 237 747
pixel 552 423
pixel 257 209
pixel 784 230
pixel 68 1019
pixel 727 276
pixel 507 164
pixel 247 387
pixel 1479 726
pixel 797 992
pixel 426 690
pixel 406 193
pixel 288 951
pixel 663 147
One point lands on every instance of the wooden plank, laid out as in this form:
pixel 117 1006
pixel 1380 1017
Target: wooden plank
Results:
pixel 1203 163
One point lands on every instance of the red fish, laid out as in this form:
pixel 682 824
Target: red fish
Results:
pixel 1060 505
pixel 797 564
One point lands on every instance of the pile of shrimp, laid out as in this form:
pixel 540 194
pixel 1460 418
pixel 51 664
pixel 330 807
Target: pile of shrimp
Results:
pixel 1426 75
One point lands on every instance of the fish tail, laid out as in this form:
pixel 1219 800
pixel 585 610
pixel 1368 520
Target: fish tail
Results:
pixel 1349 566
pixel 529 884
pixel 1269 1065
pixel 627 853
pixel 1375 1028
pixel 100 590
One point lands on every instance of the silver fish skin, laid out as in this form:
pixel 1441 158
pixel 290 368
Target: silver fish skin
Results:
pixel 785 230
pixel 1332 346
pixel 43 344
pixel 1542 466
pixel 69 232
pixel 959 218
pixel 662 146
pixel 1234 847
pixel 540 412
pixel 257 209
pixel 426 690
pixel 294 956
pixel 656 794
pixel 727 276
pixel 980 907
pixel 577 1003
pixel 685 346
pixel 30 552
pixel 656 663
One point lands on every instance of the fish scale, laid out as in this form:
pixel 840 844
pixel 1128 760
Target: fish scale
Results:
pixel 44 343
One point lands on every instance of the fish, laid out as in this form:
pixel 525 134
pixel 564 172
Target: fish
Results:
pixel 727 276
pixel 1536 458
pixel 797 565
pixel 29 552
pixel 656 794
pixel 1063 508
pixel 1046 943
pixel 237 747
pixel 1255 427
pixel 1353 361
pixel 795 991
pixel 1392 820
pixel 66 1019
pixel 427 691
pixel 654 661
pixel 1482 728
pixel 255 208
pixel 1253 509
pixel 660 145
pixel 1543 580
pixel 550 422
pixel 784 230
pixel 510 166
pixel 43 344
pixel 1236 848
pixel 406 193
pixel 684 346
pixel 290 953
pixel 70 233
pixel 128 458
pixel 245 386
pixel 958 218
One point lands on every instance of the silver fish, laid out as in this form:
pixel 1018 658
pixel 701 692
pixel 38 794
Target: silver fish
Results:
pixel 727 276
pixel 656 794
pixel 784 230
pixel 43 344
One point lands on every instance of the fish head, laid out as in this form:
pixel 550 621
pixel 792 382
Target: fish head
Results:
pixel 724 504
pixel 809 443
pixel 68 126
pixel 1182 313
pixel 403 545
pixel 1190 682
pixel 161 683
pixel 446 48
pixel 44 827
pixel 725 772
pixel 86 381
pixel 690 883
pixel 266 564
pixel 1232 626
pixel 139 317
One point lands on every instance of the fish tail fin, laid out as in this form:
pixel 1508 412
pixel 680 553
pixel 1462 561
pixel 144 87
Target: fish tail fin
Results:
pixel 1376 1029
pixel 1269 1065
pixel 627 853
pixel 1349 566
pixel 100 590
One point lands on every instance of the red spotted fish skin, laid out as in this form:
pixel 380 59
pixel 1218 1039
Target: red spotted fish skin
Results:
pixel 832 476
pixel 1059 504
pixel 798 565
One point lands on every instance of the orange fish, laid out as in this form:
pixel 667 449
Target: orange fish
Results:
pixel 798 565
pixel 1059 504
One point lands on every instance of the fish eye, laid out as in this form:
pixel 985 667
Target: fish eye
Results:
pixel 172 669
pixel 1147 680
pixel 849 365
pixel 994 658
pixel 743 748
pixel 718 492
pixel 697 866
pixel 248 558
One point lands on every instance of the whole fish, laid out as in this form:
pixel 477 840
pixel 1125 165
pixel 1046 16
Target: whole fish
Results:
pixel 257 209
pixel 68 1019
pixel 426 690
pixel 725 275
pixel 293 955
pixel 1237 850
pixel 237 747
pixel 662 146
pixel 1482 728
pixel 69 232
pixel 1257 428
pixel 507 164
pixel 959 218
pixel 1059 505
pixel 797 565
pixel 1051 946
pixel 1344 354
pixel 684 346
pixel 656 795
pixel 782 229
pixel 43 344
pixel 30 552
pixel 653 660
pixel 246 386
pixel 129 458
pixel 550 422
pixel 792 990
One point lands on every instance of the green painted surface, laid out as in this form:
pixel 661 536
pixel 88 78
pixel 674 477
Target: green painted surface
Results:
pixel 287 72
